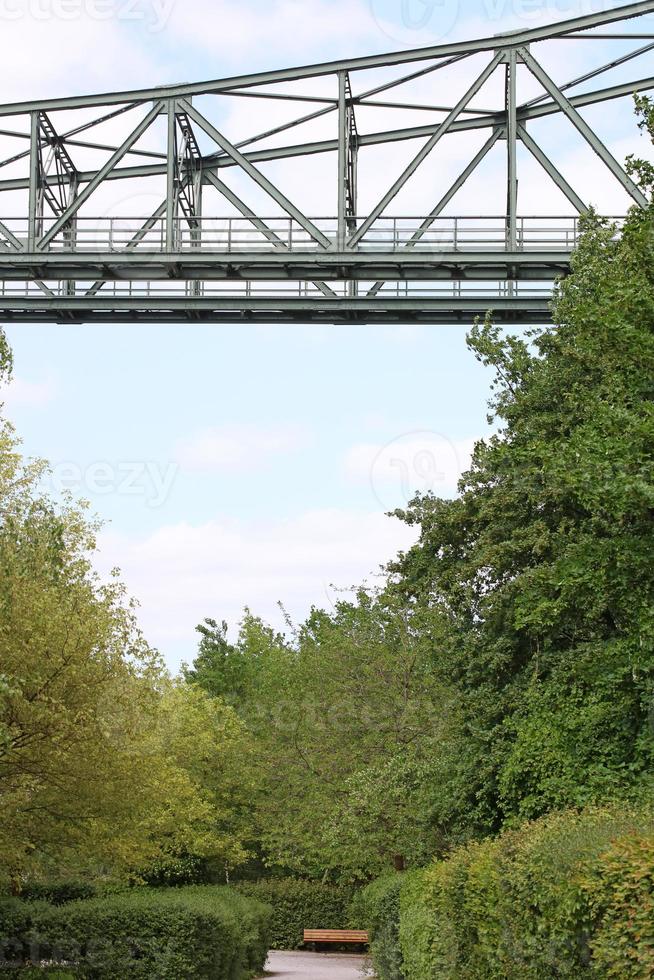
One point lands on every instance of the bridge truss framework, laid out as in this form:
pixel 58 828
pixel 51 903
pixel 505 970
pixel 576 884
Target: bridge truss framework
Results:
pixel 63 260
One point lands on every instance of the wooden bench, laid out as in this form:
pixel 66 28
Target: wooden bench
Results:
pixel 335 936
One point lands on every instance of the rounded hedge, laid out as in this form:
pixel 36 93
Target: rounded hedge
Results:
pixel 558 897
pixel 172 934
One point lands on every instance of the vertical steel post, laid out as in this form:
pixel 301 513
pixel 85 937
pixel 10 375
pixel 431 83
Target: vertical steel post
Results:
pixel 512 151
pixel 342 161
pixel 171 172
pixel 32 223
pixel 197 228
pixel 70 233
pixel 354 176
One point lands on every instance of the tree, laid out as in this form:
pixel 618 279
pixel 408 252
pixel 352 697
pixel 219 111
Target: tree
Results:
pixel 338 715
pixel 544 561
pixel 92 768
pixel 222 669
pixel 206 741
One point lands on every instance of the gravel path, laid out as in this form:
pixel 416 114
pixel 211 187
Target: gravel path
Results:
pixel 315 966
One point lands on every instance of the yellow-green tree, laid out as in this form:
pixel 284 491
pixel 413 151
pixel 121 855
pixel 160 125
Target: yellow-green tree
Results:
pixel 103 761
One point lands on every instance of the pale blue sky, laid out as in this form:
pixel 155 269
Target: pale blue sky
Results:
pixel 241 465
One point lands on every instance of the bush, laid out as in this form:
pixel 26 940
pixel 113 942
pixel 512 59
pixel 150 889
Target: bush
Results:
pixel 57 893
pixel 380 912
pixel 570 895
pixel 16 920
pixel 171 934
pixel 298 905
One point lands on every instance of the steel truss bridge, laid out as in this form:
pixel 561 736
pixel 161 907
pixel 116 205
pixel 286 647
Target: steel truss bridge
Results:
pixel 225 243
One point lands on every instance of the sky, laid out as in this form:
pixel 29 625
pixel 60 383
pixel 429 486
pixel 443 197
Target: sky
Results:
pixel 243 466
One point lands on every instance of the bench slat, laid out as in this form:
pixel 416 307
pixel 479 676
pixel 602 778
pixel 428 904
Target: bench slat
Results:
pixel 335 936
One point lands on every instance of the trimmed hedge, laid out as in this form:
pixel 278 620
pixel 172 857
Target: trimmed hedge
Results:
pixel 298 905
pixel 619 894
pixel 570 895
pixel 17 919
pixel 172 934
pixel 380 912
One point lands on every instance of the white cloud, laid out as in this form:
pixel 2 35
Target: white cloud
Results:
pixel 184 573
pixel 287 31
pixel 240 448
pixel 70 48
pixel 29 394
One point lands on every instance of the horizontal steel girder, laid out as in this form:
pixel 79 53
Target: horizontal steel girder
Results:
pixel 406 264
pixel 450 310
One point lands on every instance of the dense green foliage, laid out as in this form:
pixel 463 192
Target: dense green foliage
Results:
pixel 16 921
pixel 544 561
pixel 298 905
pixel 170 933
pixel 346 721
pixel 618 892
pixel 57 892
pixel 104 760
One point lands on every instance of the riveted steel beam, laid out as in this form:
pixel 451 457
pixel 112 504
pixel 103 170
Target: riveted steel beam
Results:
pixel 445 310
pixel 624 90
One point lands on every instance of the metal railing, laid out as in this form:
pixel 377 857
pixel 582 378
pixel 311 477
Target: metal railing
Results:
pixel 294 290
pixel 234 235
